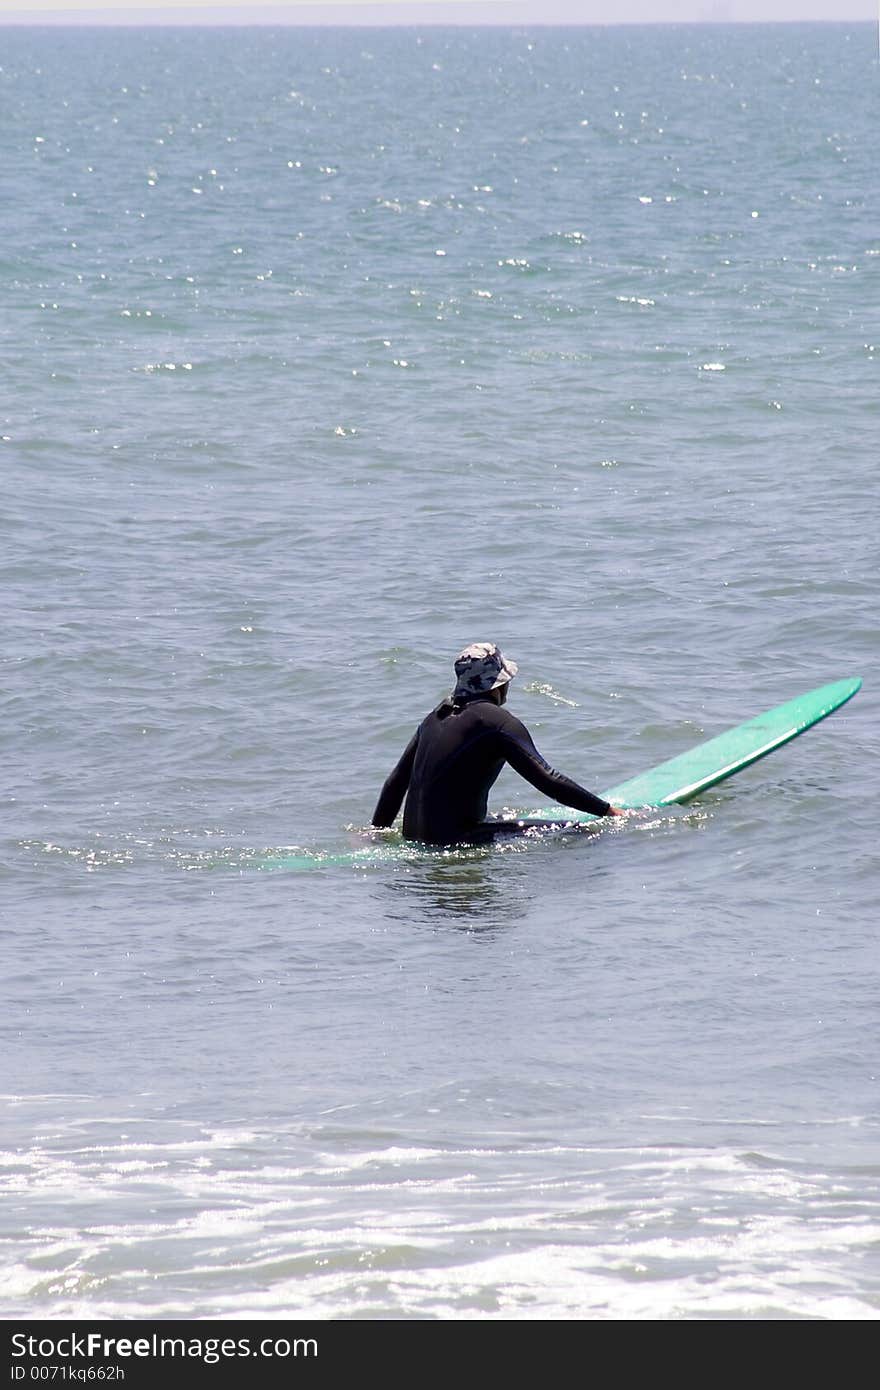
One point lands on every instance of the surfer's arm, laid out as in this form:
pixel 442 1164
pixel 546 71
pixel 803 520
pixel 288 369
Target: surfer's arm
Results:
pixel 524 758
pixel 394 790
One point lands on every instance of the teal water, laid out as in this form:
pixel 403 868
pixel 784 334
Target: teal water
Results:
pixel 325 353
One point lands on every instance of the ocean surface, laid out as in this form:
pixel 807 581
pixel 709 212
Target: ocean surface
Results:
pixel 324 354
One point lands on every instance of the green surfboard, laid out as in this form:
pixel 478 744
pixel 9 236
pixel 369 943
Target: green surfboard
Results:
pixel 678 780
pixel 682 778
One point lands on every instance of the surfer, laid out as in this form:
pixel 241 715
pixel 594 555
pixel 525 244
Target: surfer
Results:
pixel 452 760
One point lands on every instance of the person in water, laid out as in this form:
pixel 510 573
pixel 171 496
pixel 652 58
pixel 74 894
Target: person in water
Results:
pixel 452 760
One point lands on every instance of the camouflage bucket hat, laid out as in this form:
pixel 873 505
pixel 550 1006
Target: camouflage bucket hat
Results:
pixel 481 667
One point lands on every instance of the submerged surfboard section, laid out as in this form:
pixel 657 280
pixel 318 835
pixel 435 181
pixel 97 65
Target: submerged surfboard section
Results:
pixel 678 780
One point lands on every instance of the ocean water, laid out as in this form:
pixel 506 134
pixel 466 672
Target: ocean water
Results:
pixel 325 353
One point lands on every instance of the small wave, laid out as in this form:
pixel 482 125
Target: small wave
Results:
pixel 546 689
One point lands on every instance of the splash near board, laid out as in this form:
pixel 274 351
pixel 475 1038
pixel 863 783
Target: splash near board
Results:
pixel 678 780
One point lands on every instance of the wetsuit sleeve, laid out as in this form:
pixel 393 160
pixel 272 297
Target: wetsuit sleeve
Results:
pixel 524 758
pixel 394 790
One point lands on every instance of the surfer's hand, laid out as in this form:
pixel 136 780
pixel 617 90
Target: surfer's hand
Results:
pixel 616 811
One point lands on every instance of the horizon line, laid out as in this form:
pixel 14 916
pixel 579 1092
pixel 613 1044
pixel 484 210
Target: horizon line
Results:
pixel 223 16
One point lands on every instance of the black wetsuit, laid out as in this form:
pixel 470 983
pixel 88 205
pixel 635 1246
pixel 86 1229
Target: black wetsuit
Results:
pixel 449 765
